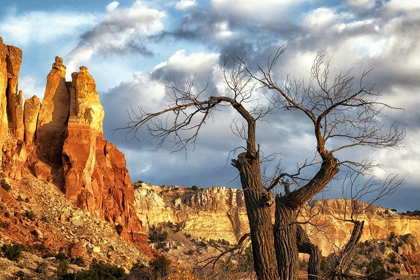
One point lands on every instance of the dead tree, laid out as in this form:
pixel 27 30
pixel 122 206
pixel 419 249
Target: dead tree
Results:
pixel 353 208
pixel 336 111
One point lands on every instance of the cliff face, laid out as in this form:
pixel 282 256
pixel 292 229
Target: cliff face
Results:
pixel 219 213
pixel 61 141
pixel 216 213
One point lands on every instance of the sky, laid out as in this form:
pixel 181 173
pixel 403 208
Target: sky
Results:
pixel 134 48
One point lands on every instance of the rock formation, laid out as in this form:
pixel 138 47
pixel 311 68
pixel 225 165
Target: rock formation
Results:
pixel 61 141
pixel 219 213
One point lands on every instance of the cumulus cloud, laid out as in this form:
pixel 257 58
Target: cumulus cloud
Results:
pixel 112 6
pixel 120 31
pixel 185 4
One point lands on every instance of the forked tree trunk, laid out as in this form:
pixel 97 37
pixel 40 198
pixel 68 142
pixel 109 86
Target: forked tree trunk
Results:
pixel 259 216
pixel 285 229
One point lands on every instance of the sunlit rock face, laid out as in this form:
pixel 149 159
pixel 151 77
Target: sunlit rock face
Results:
pixel 379 223
pixel 13 151
pixel 213 213
pixel 219 213
pixel 61 141
pixel 30 118
pixel 96 178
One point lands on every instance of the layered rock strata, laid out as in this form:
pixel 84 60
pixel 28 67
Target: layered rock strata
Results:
pixel 219 213
pixel 61 141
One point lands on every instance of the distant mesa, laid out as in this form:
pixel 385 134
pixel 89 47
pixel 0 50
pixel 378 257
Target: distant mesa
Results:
pixel 61 141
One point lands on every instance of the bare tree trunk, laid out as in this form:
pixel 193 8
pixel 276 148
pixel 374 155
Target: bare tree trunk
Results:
pixel 305 246
pixel 259 217
pixel 285 241
pixel 343 261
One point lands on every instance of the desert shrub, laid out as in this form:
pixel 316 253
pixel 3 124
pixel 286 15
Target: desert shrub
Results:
pixel 324 266
pixel 393 259
pixel 161 266
pixel 62 268
pixel 41 248
pixel 79 261
pixel 190 252
pixel 156 234
pixel 138 265
pixel 194 188
pixel 21 275
pixel 44 219
pixel 61 255
pixel 4 224
pixel 391 237
pixel 246 261
pixel 5 185
pixel 30 215
pixel 376 270
pixel 12 251
pixel 97 271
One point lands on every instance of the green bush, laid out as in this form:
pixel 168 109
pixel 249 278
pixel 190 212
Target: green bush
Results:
pixel 30 215
pixel 161 266
pixel 97 271
pixel 246 261
pixel 376 270
pixel 12 251
pixel 156 234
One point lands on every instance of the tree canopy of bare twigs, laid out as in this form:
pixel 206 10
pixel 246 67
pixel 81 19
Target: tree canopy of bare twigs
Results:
pixel 343 113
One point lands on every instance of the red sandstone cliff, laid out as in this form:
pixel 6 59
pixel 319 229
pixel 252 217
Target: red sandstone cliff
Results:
pixel 61 140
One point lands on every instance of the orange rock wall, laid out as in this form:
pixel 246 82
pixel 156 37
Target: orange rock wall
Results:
pixel 61 140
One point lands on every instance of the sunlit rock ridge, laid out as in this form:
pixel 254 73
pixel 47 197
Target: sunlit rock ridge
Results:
pixel 61 141
pixel 220 213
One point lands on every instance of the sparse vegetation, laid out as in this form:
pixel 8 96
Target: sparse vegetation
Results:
pixel 30 215
pixel 157 234
pixel 161 266
pixel 376 270
pixel 12 251
pixel 97 271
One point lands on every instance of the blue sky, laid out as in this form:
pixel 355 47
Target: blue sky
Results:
pixel 132 48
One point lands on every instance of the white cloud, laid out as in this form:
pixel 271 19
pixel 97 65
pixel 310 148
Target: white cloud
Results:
pixel 121 30
pixel 264 10
pixel 324 18
pixel 365 4
pixel 403 5
pixel 185 4
pixel 112 6
pixel 43 27
pixel 31 86
pixel 404 162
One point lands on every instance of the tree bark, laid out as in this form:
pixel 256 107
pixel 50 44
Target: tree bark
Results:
pixel 259 216
pixel 305 246
pixel 285 241
pixel 343 261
